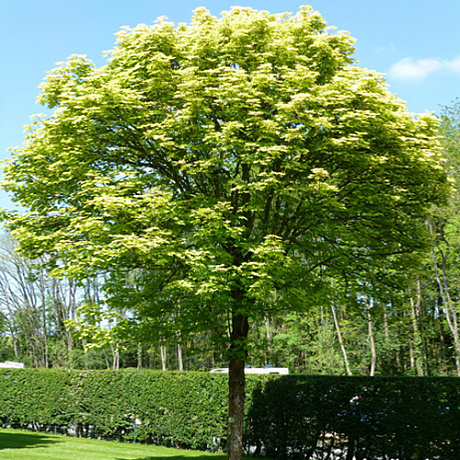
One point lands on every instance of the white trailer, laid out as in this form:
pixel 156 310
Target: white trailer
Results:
pixel 255 370
pixel 11 365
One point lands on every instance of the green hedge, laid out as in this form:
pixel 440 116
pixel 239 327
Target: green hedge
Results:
pixel 287 416
pixel 36 397
pixel 362 418
pixel 177 409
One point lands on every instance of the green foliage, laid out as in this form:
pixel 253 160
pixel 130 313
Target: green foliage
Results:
pixel 305 344
pixel 209 167
pixel 181 410
pixel 309 417
pixel 35 397
pixel 404 418
pixel 214 164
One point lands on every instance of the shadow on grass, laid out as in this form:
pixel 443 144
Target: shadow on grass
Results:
pixel 24 440
pixel 29 440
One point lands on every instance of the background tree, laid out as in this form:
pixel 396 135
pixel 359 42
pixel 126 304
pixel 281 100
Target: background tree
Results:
pixel 35 310
pixel 216 164
pixel 23 300
pixel 444 226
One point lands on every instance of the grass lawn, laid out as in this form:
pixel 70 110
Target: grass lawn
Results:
pixel 26 445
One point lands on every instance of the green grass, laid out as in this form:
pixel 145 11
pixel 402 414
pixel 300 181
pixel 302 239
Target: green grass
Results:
pixel 25 445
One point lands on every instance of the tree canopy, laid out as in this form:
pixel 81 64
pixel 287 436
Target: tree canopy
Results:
pixel 229 167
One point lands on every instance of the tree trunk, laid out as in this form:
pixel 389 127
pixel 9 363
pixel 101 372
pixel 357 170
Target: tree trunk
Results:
pixel 411 354
pixel 342 345
pixel 269 335
pixel 14 334
pixel 85 354
pixel 44 323
pixel 372 345
pixel 386 328
pixel 139 356
pixel 418 343
pixel 443 285
pixel 371 337
pixel 163 357
pixel 180 361
pixel 236 386
pixel 68 335
pixel 116 358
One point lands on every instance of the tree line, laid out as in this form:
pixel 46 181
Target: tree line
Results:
pixel 408 332
pixel 410 328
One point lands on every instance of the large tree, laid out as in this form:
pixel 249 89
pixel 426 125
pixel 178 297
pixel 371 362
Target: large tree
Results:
pixel 208 167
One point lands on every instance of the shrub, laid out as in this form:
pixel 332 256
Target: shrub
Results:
pixel 291 416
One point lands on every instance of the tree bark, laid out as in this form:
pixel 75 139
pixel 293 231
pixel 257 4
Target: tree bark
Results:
pixel 269 335
pixel 139 356
pixel 115 358
pixel 180 361
pixel 418 343
pixel 371 337
pixel 163 357
pixel 44 321
pixel 342 345
pixel 236 386
pixel 372 345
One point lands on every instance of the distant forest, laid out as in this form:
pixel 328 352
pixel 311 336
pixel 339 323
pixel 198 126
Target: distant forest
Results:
pixel 410 327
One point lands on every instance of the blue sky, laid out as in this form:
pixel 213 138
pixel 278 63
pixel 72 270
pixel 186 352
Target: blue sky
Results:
pixel 416 43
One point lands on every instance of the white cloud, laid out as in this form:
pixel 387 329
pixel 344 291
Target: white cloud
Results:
pixel 454 64
pixel 409 69
pixel 416 70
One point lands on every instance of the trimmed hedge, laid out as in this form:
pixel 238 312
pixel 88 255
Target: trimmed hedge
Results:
pixel 363 418
pixel 287 416
pixel 173 409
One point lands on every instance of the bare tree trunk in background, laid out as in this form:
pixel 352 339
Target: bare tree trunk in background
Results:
pixel 12 327
pixel 71 306
pixel 163 357
pixel 417 343
pixel 443 285
pixel 372 345
pixel 139 356
pixel 342 345
pixel 411 354
pixel 180 362
pixel 370 329
pixel 107 361
pixel 386 328
pixel 116 358
pixel 44 320
pixel 269 335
